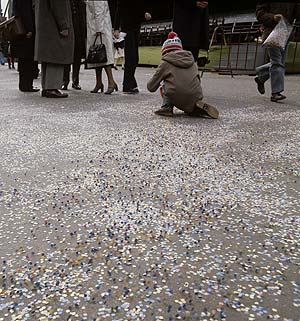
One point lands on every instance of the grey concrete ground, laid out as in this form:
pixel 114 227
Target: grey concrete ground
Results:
pixel 108 212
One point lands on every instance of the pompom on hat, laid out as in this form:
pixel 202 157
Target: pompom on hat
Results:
pixel 172 43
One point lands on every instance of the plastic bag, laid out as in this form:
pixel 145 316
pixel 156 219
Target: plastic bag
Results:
pixel 280 35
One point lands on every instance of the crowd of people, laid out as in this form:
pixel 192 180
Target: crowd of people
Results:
pixel 59 34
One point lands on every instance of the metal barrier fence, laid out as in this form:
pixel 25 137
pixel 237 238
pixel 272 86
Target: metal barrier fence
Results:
pixel 235 48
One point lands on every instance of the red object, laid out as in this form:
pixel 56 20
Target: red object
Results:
pixel 172 35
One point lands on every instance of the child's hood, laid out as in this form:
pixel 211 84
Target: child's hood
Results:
pixel 179 58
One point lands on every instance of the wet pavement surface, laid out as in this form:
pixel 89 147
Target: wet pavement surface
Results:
pixel 109 212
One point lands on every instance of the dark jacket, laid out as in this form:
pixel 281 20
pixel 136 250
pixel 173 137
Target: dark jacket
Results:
pixel 130 14
pixel 191 24
pixel 265 11
pixel 112 9
pixel 79 26
pixel 24 48
pixel 52 17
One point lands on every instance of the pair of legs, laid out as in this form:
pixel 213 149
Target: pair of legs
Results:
pixel 275 70
pixel 111 82
pixel 120 61
pixel 2 60
pixel 52 79
pixel 11 62
pixel 131 60
pixel 75 74
pixel 27 73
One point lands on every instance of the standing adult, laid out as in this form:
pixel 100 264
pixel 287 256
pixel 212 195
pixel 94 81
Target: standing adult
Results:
pixel 99 28
pixel 191 23
pixel 128 18
pixel 54 43
pixel 23 49
pixel 269 13
pixel 79 26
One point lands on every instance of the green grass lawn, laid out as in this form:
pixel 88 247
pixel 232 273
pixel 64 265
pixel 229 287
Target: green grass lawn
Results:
pixel 293 58
pixel 152 56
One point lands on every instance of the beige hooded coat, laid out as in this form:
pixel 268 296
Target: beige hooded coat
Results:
pixel 181 79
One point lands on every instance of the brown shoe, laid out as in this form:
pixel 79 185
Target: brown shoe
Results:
pixel 207 109
pixel 164 111
pixel 54 93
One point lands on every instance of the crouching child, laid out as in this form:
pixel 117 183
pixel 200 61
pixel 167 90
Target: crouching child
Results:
pixel 178 78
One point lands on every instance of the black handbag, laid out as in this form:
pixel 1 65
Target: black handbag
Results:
pixel 97 53
pixel 12 29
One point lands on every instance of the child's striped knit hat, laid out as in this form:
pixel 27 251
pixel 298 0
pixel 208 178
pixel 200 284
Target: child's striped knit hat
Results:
pixel 172 43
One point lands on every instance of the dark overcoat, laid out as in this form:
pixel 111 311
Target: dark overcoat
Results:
pixel 130 14
pixel 191 24
pixel 78 9
pixel 24 48
pixel 52 17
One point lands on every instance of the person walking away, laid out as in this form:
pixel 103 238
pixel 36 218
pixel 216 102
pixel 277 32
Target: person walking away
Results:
pixel 54 43
pixel 181 82
pixel 269 13
pixel 23 49
pixel 128 18
pixel 79 27
pixel 10 57
pixel 191 23
pixel 99 25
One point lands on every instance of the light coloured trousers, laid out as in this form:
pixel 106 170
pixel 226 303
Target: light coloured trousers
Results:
pixel 275 69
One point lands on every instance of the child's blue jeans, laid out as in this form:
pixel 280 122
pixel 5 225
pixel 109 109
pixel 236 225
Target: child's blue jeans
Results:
pixel 166 100
pixel 275 69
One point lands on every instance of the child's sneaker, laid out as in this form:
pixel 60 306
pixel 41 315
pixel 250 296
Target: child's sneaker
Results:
pixel 165 111
pixel 207 109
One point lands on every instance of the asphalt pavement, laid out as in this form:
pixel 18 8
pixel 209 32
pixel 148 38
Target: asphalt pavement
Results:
pixel 109 212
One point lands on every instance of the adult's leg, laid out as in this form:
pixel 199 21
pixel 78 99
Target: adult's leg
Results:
pixel 99 84
pixel 2 60
pixel 131 59
pixel 25 81
pixel 53 78
pixel 66 76
pixel 76 70
pixel 111 82
pixel 43 78
pixel 194 51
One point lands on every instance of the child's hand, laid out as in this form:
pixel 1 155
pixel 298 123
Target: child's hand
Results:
pixel 201 4
pixel 277 17
pixel 148 16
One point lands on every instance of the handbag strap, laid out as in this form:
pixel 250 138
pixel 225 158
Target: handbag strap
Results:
pixel 97 38
pixel 6 8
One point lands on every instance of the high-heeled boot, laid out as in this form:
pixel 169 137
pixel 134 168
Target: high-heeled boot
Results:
pixel 99 84
pixel 111 89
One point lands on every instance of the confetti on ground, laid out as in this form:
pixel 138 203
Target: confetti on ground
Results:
pixel 111 213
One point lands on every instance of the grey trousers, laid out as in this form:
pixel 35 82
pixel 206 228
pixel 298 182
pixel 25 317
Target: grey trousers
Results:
pixel 52 76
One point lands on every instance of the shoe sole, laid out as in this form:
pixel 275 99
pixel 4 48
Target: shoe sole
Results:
pixel 163 113
pixel 276 100
pixel 131 93
pixel 208 109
